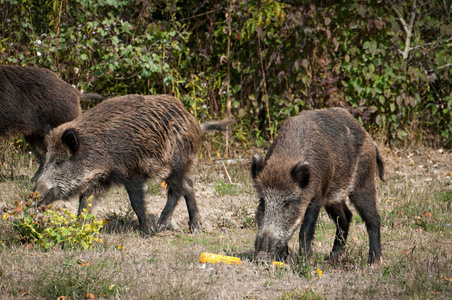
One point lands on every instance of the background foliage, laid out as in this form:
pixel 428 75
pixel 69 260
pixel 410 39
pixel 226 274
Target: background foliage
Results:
pixel 263 61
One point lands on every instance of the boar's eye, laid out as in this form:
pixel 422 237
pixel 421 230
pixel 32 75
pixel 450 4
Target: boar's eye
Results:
pixel 58 162
pixel 288 203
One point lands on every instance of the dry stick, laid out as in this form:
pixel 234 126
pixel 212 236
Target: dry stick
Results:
pixel 138 22
pixel 265 88
pixel 228 98
pixel 227 174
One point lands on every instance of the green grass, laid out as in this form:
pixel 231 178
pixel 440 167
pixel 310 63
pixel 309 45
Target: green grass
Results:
pixel 223 188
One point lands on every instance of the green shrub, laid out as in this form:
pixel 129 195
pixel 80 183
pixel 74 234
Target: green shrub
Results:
pixel 50 228
pixel 261 61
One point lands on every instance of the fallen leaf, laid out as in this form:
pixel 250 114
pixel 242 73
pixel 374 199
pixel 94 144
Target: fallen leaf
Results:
pixel 82 263
pixel 20 207
pixel 24 293
pixel 89 296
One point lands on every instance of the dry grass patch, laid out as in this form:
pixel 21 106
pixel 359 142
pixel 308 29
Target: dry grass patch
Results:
pixel 414 204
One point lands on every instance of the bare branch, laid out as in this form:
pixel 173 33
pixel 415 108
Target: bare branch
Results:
pixel 442 67
pixel 436 44
pixel 408 30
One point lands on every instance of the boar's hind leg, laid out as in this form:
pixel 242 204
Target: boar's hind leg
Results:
pixel 364 200
pixel 341 216
pixel 136 196
pixel 174 194
pixel 192 207
pixel 308 228
pixel 179 186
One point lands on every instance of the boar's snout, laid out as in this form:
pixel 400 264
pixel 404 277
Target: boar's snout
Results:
pixel 46 192
pixel 268 247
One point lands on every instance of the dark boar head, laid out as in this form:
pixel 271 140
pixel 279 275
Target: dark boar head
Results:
pixel 67 171
pixel 283 190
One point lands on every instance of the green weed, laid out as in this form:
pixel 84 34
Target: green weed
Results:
pixel 222 188
pixel 51 228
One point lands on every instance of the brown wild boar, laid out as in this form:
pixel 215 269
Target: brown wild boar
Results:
pixel 319 158
pixel 32 102
pixel 126 140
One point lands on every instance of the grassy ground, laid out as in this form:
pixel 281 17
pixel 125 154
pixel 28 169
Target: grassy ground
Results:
pixel 415 204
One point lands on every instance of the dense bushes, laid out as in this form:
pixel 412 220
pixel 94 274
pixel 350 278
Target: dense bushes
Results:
pixel 389 61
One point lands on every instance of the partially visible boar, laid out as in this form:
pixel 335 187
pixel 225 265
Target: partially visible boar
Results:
pixel 32 102
pixel 126 140
pixel 319 158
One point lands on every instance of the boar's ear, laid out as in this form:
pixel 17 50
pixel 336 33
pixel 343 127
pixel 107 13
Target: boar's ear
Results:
pixel 300 174
pixel 70 138
pixel 257 164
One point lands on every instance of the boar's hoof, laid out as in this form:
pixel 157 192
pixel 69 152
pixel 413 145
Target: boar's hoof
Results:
pixel 146 232
pixel 194 227
pixel 374 258
pixel 193 230
pixel 333 257
pixel 159 228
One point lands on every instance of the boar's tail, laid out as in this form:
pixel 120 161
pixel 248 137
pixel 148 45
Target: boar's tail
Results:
pixel 92 96
pixel 380 164
pixel 217 125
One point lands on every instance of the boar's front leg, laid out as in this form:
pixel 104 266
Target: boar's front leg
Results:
pixel 136 195
pixel 308 228
pixel 82 204
pixel 39 150
pixel 341 216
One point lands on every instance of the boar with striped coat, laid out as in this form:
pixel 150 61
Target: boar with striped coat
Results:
pixel 126 140
pixel 319 158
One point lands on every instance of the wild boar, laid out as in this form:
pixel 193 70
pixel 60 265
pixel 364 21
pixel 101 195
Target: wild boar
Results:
pixel 33 101
pixel 318 159
pixel 126 140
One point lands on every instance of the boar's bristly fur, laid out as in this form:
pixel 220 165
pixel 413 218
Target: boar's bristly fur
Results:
pixel 126 140
pixel 32 102
pixel 319 158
